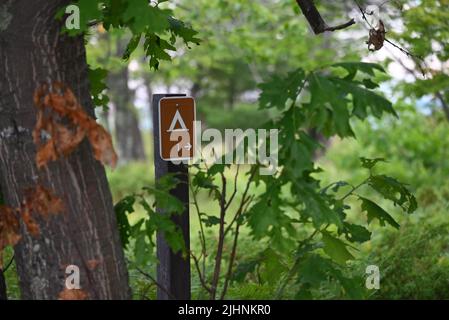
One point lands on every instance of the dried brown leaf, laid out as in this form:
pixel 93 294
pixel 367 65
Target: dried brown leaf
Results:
pixel 376 37
pixel 101 142
pixel 66 124
pixel 30 223
pixel 73 294
pixel 93 264
pixel 9 227
pixel 42 201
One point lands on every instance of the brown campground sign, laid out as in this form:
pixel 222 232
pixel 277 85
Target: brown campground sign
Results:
pixel 176 128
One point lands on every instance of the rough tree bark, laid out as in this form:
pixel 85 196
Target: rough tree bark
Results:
pixel 127 132
pixel 33 51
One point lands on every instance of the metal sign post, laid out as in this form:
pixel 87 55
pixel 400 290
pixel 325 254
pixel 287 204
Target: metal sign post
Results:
pixel 173 116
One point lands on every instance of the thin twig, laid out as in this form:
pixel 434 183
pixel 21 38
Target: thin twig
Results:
pixel 242 203
pixel 221 238
pixel 438 95
pixel 292 270
pixel 233 254
pixel 231 262
pixel 202 234
pixel 350 192
pixel 235 188
pixel 156 283
pixel 200 275
pixel 341 26
pixel 363 12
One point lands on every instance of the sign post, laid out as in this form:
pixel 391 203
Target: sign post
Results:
pixel 173 117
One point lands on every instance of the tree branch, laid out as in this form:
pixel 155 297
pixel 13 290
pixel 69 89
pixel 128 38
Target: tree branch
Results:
pixel 315 20
pixel 200 274
pixel 233 254
pixel 221 238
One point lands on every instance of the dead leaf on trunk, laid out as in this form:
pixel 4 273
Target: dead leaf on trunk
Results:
pixel 62 124
pixel 42 201
pixel 39 201
pixel 73 294
pixel 93 264
pixel 102 145
pixel 9 227
pixel 30 223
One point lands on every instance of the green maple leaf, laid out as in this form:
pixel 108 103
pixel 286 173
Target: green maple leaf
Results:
pixel 180 29
pixel 376 212
pixel 356 233
pixel 370 163
pixel 328 107
pixel 141 16
pixel 394 191
pixel 335 248
pixel 122 208
pixel 353 67
pixel 277 91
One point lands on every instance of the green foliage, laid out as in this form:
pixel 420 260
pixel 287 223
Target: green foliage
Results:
pixel 346 96
pixel 414 262
pixel 97 86
pixel 143 231
pixel 375 212
pixel 425 34
pixel 250 291
pixel 316 270
pixel 394 191
pixel 243 43
pixel 272 218
pixel 335 248
pixel 277 91
pixel 122 209
pixel 370 163
pixel 145 20
pixel 416 147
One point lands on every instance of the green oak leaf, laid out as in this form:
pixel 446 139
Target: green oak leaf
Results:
pixel 376 212
pixel 335 248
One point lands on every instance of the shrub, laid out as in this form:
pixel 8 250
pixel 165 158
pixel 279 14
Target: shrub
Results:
pixel 414 261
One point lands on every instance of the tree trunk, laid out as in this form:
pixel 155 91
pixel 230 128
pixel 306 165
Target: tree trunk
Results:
pixel 33 51
pixel 127 132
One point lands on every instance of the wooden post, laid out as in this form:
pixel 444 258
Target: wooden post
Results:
pixel 173 271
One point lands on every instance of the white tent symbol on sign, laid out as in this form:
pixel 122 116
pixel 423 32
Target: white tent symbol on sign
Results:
pixel 177 118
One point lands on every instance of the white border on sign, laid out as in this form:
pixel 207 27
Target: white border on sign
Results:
pixel 160 132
